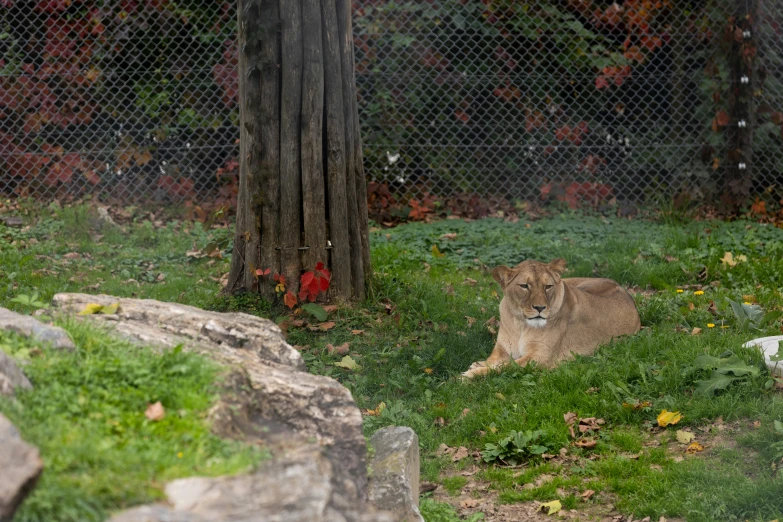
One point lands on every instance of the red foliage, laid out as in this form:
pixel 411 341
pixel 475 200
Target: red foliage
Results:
pixel 419 211
pixel 181 188
pixel 314 282
pixel 577 194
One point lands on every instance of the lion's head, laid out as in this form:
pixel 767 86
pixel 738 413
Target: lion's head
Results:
pixel 534 289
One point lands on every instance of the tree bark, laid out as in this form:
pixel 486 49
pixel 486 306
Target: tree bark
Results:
pixel 302 193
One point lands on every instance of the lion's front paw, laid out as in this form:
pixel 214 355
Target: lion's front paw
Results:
pixel 476 369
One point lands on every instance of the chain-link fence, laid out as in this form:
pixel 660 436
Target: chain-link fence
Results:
pixel 578 100
pixel 132 100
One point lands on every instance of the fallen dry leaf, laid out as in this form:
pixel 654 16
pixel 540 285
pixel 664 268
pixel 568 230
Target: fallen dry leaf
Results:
pixel 155 412
pixel 72 255
pixel 426 487
pixel 666 418
pixel 450 235
pixel 461 453
pixel 329 308
pixel 756 424
pixel 339 350
pixel 91 308
pixel 684 437
pixel 348 363
pixel 470 282
pixel 551 507
pixel 357 332
pixel 469 503
pixel 587 494
pixel 696 331
pixel 590 424
pixel 586 443
pixel 326 326
pixel 377 411
pixel 637 405
pixel 444 450
pixel 694 447
pixel 470 321
pixel 728 259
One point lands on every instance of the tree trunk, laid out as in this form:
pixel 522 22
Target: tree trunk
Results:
pixel 302 190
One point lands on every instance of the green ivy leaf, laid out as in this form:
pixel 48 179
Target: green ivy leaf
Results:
pixel 708 387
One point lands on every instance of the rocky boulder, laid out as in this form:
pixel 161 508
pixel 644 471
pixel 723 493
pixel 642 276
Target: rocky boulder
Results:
pixel 11 377
pixel 394 480
pixel 20 467
pixel 310 423
pixel 28 326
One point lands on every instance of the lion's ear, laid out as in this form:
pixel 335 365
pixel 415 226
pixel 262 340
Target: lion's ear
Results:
pixel 558 265
pixel 502 274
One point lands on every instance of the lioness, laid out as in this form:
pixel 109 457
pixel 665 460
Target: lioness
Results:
pixel 544 318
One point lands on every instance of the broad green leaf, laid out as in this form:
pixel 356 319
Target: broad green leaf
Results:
pixel 732 364
pixel 315 310
pixel 708 387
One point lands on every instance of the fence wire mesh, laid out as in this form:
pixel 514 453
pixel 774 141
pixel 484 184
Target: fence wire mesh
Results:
pixel 578 100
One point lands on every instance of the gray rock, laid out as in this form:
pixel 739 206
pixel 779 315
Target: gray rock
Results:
pixel 11 377
pixel 295 488
pixel 267 396
pixel 20 467
pixel 28 326
pixel 155 513
pixel 394 479
pixel 236 336
pixel 12 221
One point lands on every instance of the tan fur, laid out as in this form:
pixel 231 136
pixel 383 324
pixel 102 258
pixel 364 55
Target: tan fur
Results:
pixel 580 314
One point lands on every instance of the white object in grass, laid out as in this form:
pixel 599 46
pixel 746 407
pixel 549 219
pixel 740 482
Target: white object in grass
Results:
pixel 769 347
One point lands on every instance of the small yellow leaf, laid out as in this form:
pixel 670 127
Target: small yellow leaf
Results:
pixel 728 259
pixel 694 447
pixel 436 252
pixel 91 308
pixel 348 363
pixel 500 396
pixel 110 309
pixel 551 507
pixel 668 417
pixel 684 437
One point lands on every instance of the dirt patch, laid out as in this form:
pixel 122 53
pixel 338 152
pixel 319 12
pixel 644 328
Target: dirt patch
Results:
pixel 477 497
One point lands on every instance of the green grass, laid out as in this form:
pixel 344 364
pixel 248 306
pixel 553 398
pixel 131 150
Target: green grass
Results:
pixel 86 415
pixel 424 324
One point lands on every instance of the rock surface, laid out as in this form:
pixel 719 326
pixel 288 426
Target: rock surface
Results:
pixel 20 467
pixel 28 326
pixel 297 488
pixel 230 337
pixel 11 377
pixel 268 397
pixel 394 482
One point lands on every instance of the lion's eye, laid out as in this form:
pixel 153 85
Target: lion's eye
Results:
pixel 523 286
pixel 548 287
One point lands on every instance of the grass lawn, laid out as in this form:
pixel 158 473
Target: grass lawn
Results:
pixel 427 318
